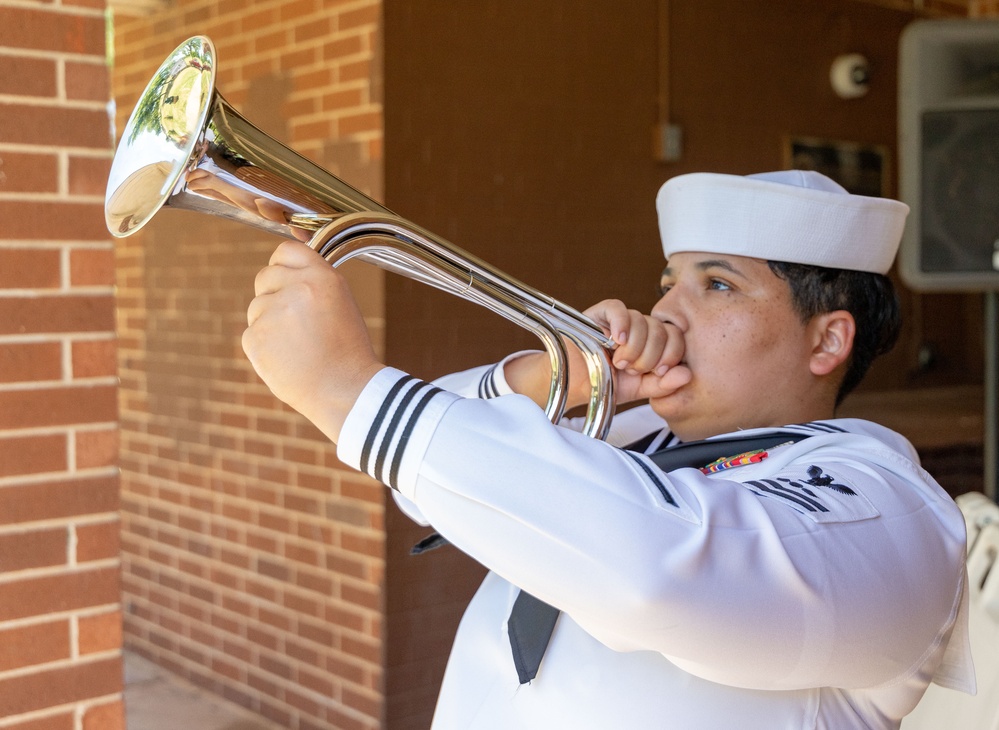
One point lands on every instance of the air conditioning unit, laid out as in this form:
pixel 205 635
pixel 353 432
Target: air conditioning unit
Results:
pixel 948 143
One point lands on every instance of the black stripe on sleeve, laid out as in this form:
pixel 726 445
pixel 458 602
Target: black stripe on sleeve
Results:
pixel 406 432
pixel 386 444
pixel 487 385
pixel 369 441
pixel 653 476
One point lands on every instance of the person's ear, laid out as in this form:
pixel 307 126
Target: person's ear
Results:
pixel 833 341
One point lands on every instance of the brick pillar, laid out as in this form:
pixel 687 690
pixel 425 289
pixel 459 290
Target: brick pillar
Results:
pixel 60 617
pixel 252 559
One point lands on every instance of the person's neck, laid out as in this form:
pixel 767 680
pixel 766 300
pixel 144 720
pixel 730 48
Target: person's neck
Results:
pixel 791 417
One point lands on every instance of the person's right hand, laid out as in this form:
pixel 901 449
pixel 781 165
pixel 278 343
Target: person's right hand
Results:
pixel 306 337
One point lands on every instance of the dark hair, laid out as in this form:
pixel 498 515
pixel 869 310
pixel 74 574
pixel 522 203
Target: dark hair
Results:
pixel 870 298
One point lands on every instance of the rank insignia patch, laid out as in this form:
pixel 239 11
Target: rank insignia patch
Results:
pixel 816 493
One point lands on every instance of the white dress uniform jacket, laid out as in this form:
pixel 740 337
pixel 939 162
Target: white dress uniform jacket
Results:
pixel 819 588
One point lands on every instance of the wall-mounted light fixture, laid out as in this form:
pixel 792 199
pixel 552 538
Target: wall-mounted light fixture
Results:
pixel 850 75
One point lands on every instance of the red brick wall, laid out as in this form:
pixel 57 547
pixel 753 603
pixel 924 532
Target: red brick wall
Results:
pixel 60 617
pixel 253 564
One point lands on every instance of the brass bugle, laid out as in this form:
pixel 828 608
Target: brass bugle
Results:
pixel 185 146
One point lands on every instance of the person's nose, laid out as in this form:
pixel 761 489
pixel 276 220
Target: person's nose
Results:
pixel 672 308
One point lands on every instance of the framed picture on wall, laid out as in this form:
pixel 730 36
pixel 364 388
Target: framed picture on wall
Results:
pixel 861 169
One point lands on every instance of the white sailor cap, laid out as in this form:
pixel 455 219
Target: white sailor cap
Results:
pixel 796 216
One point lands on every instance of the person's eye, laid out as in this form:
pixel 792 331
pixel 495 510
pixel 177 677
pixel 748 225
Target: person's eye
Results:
pixel 719 285
pixel 663 288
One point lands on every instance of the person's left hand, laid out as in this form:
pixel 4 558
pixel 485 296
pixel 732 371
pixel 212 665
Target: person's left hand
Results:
pixel 306 337
pixel 648 359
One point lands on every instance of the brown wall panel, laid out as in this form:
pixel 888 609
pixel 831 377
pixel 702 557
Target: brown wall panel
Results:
pixel 522 132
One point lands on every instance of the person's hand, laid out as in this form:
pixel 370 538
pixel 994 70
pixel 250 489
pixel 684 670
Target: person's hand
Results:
pixel 649 354
pixel 647 361
pixel 306 337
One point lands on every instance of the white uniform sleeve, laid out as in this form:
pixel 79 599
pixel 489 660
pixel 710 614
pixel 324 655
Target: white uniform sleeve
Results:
pixel 831 563
pixel 486 381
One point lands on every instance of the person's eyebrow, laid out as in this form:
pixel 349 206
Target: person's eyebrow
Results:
pixel 718 264
pixel 706 265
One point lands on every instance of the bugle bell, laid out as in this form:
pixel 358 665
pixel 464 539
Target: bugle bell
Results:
pixel 185 147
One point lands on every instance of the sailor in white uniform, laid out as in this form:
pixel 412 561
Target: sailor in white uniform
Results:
pixel 816 581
